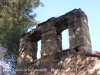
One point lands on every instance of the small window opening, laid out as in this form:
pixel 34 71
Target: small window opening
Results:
pixel 65 40
pixel 39 50
pixel 76 49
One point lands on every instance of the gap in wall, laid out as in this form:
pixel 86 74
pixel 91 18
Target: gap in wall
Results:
pixel 65 40
pixel 39 50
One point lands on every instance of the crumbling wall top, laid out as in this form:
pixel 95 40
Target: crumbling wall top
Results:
pixel 60 23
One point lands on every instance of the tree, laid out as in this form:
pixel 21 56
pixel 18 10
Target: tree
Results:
pixel 15 18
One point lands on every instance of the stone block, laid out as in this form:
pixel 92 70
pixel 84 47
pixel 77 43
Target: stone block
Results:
pixel 51 43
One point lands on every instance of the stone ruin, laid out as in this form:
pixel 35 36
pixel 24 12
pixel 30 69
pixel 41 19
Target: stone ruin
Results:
pixel 54 60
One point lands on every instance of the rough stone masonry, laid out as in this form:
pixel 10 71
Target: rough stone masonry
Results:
pixel 50 34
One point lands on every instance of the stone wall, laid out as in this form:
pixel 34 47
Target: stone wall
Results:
pixel 68 62
pixel 53 57
pixel 28 51
pixel 50 43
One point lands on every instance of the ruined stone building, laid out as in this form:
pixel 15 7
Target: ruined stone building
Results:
pixel 77 60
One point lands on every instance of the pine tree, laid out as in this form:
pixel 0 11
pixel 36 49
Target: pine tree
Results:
pixel 15 18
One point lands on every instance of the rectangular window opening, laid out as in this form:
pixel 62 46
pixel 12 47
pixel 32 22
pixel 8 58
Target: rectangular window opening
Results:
pixel 65 40
pixel 39 50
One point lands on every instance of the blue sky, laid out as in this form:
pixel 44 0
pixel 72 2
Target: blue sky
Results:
pixel 56 8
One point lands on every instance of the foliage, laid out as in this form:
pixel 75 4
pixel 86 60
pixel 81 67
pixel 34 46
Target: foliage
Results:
pixel 15 18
